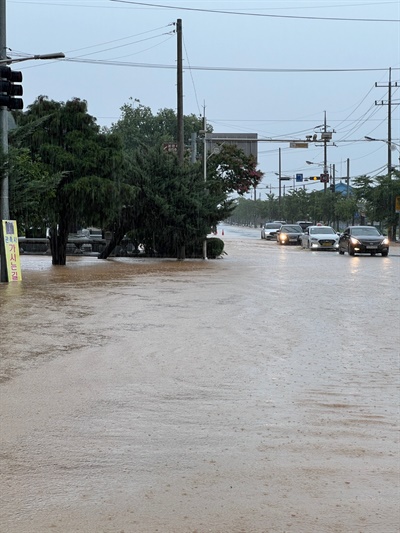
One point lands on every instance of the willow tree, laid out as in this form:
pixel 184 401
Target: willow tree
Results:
pixel 84 166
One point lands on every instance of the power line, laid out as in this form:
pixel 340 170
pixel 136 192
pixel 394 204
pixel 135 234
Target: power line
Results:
pixel 225 69
pixel 241 13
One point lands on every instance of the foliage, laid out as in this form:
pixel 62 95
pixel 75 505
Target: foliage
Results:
pixel 173 207
pixel 232 171
pixel 79 170
pixel 139 127
pixel 215 247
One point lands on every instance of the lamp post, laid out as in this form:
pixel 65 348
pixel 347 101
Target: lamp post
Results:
pixel 4 198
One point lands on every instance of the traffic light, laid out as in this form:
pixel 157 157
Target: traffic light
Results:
pixel 9 88
pixel 314 178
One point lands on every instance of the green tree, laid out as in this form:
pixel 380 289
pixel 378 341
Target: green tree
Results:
pixel 83 168
pixel 138 126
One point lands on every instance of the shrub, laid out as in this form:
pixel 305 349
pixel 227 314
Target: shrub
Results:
pixel 215 247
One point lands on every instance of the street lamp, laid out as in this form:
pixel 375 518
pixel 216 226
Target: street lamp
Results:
pixel 4 199
pixel 8 60
pixel 391 148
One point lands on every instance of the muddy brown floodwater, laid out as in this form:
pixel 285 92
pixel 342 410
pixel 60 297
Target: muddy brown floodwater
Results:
pixel 257 393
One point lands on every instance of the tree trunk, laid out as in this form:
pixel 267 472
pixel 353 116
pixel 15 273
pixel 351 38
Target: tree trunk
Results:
pixel 58 245
pixel 181 253
pixel 116 238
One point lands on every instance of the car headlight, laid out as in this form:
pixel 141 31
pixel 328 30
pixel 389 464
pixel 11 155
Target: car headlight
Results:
pixel 353 240
pixel 283 237
pixel 385 241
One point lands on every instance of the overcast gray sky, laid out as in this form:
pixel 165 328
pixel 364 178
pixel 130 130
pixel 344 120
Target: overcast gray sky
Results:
pixel 267 67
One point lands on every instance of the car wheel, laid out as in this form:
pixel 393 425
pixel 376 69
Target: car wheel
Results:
pixel 385 253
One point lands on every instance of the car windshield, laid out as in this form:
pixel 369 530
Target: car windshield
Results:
pixel 292 229
pixel 320 231
pixel 272 226
pixel 365 231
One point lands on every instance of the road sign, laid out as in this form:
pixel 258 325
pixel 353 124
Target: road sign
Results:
pixel 170 147
pixel 298 145
pixel 299 177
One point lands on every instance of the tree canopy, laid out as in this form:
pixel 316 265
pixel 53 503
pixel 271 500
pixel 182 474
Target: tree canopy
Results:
pixel 120 178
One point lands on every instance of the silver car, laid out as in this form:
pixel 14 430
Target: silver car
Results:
pixel 269 229
pixel 320 238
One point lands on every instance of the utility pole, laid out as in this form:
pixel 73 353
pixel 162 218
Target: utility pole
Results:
pixel 193 147
pixel 348 178
pixel 180 139
pixel 389 103
pixel 204 168
pixel 280 179
pixel 324 137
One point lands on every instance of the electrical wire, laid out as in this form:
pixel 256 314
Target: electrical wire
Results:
pixel 241 13
pixel 228 69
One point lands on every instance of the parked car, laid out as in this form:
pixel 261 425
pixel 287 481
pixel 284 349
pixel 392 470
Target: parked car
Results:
pixel 269 229
pixel 289 234
pixel 363 240
pixel 320 238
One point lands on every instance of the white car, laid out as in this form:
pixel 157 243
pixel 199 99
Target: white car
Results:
pixel 320 238
pixel 269 230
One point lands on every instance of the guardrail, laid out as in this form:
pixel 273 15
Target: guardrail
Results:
pixel 79 245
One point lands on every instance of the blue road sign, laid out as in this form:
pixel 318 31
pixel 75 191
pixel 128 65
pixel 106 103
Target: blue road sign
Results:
pixel 299 177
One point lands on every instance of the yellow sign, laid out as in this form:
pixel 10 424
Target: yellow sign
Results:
pixel 397 208
pixel 10 236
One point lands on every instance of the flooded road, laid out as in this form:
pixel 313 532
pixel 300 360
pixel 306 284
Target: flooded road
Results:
pixel 257 393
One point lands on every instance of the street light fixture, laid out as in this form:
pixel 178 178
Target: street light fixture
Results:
pixel 8 60
pixel 392 146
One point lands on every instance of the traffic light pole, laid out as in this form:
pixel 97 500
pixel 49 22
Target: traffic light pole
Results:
pixel 4 204
pixel 10 90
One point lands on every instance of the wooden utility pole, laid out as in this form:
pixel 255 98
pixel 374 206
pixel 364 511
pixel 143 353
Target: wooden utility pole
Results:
pixel 389 103
pixel 180 139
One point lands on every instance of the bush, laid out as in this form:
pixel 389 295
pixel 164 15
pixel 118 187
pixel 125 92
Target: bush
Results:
pixel 215 247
